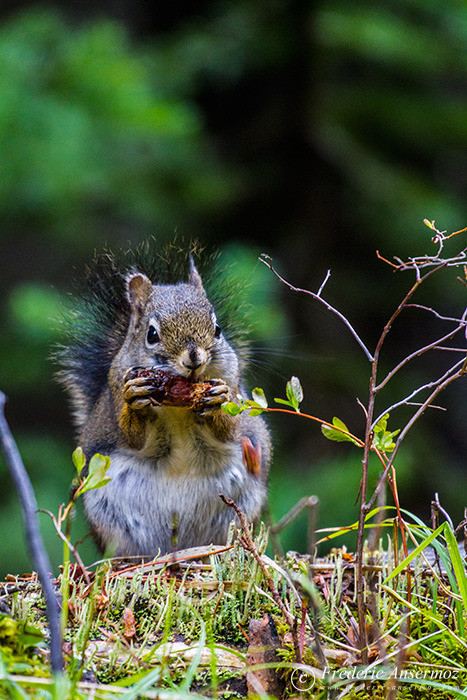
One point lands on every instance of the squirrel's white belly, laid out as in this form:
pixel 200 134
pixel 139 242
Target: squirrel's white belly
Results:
pixel 147 503
pixel 191 449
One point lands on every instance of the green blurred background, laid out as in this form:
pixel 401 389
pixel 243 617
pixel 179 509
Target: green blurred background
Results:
pixel 316 132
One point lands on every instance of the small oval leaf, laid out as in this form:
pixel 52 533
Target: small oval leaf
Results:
pixel 259 397
pixel 79 460
pixel 231 408
pixel 297 389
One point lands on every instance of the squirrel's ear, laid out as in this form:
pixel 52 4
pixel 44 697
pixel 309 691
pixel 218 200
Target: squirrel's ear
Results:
pixel 139 288
pixel 194 277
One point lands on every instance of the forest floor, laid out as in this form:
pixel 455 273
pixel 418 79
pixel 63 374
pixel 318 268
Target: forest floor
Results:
pixel 228 622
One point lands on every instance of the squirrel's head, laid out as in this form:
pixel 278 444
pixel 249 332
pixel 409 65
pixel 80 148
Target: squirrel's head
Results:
pixel 174 327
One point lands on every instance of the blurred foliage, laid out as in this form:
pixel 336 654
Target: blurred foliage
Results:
pixel 315 132
pixel 392 111
pixel 86 135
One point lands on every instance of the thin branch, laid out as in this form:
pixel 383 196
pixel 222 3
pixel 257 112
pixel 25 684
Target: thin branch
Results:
pixel 388 262
pixel 418 353
pixel 318 420
pixel 364 506
pixel 323 283
pixel 418 403
pixel 462 320
pixel 422 261
pixel 439 507
pixel 247 542
pixel 72 548
pixel 267 260
pixel 462 230
pixel 33 536
pixel 429 261
pixel 305 502
pixel 438 389
pixel 365 412
pixel 430 385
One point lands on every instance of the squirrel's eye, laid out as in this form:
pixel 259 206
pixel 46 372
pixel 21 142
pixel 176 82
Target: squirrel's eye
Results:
pixel 217 331
pixel 152 336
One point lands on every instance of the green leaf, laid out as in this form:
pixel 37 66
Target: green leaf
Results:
pixel 96 478
pixel 381 424
pixel 423 545
pixel 29 635
pixel 98 463
pixel 256 411
pixel 296 388
pixel 382 438
pixel 79 460
pixel 385 442
pixel 457 563
pixel 284 401
pixel 338 531
pixel 336 433
pixel 388 443
pixel 338 423
pixel 259 397
pixel 231 408
pixel 15 690
pixel 294 392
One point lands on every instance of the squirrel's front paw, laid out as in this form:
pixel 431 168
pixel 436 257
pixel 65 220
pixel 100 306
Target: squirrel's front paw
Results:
pixel 137 391
pixel 212 399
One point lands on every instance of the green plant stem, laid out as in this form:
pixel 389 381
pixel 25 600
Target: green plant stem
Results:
pixel 315 418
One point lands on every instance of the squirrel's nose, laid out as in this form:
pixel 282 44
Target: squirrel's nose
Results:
pixel 193 358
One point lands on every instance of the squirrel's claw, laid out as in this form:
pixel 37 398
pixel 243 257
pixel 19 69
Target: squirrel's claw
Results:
pixel 141 392
pixel 137 392
pixel 217 390
pixel 213 398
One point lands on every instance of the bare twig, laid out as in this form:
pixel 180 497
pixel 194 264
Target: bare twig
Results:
pixel 247 542
pixel 421 351
pixel 406 401
pixel 267 260
pixel 304 502
pixel 438 389
pixel 462 321
pixel 439 507
pixel 309 502
pixel 323 283
pixel 313 507
pixel 73 549
pixel 424 261
pixel 364 506
pixel 33 536
pixel 419 403
pixel 429 261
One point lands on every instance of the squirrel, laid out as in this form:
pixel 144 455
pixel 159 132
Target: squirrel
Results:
pixel 168 464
